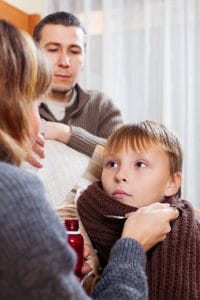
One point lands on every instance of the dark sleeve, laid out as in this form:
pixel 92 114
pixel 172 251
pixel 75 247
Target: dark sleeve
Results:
pixel 106 118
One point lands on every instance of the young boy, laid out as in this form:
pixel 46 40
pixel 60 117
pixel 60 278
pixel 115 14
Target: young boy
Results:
pixel 142 165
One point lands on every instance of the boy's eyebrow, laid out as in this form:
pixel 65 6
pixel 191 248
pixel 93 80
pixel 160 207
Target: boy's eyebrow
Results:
pixel 109 156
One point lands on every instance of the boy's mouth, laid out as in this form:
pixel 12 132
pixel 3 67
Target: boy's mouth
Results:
pixel 119 194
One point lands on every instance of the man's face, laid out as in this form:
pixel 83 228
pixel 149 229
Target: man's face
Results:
pixel 64 48
pixel 137 178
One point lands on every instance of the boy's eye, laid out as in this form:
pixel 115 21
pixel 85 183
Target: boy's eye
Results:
pixel 140 164
pixel 111 164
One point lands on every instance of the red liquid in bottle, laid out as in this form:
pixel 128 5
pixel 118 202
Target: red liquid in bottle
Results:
pixel 75 239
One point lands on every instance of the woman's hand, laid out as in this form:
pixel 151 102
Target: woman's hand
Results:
pixel 38 149
pixel 150 225
pixel 86 266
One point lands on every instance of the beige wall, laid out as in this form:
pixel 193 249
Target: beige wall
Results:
pixel 29 6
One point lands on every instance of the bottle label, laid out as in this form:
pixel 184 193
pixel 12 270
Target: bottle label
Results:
pixel 73 232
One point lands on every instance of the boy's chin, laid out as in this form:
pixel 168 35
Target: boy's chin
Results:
pixel 125 201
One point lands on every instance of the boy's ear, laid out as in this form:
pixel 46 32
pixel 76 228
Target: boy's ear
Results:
pixel 173 185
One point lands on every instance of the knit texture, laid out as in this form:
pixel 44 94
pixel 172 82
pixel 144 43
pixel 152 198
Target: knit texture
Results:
pixel 173 266
pixel 92 117
pixel 93 206
pixel 36 263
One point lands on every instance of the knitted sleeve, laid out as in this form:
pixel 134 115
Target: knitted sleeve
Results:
pixel 84 141
pixel 124 277
pixel 103 117
pixel 173 266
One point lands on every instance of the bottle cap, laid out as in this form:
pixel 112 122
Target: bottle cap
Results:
pixel 72 224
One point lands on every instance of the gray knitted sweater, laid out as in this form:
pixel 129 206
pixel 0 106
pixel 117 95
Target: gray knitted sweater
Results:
pixel 92 117
pixel 35 260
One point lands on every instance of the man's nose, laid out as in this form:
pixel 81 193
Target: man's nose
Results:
pixel 64 60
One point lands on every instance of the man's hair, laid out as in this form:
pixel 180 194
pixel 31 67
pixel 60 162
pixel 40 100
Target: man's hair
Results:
pixel 145 135
pixel 59 18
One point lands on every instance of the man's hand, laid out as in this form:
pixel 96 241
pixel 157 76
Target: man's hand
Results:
pixel 38 149
pixel 150 225
pixel 57 131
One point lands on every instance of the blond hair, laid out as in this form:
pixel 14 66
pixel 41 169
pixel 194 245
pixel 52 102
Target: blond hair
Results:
pixel 144 135
pixel 24 77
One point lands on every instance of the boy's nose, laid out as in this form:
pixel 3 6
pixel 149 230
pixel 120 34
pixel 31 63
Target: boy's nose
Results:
pixel 121 176
pixel 124 179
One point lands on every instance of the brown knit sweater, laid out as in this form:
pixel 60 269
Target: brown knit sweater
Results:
pixel 173 266
pixel 92 118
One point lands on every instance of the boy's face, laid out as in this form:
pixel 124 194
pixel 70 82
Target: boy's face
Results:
pixel 139 178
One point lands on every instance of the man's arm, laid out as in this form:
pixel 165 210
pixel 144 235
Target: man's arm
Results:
pixel 105 118
pixel 76 137
pixel 93 125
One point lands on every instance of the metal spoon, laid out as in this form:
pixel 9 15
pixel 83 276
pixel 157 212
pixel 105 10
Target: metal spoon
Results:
pixel 115 217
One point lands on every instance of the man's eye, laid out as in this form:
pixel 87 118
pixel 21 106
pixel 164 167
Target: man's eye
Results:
pixel 52 49
pixel 74 51
pixel 140 164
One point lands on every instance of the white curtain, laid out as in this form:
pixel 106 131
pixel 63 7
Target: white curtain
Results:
pixel 145 54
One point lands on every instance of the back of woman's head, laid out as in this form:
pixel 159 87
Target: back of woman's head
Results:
pixel 24 77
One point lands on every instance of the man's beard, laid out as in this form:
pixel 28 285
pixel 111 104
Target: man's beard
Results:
pixel 61 91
